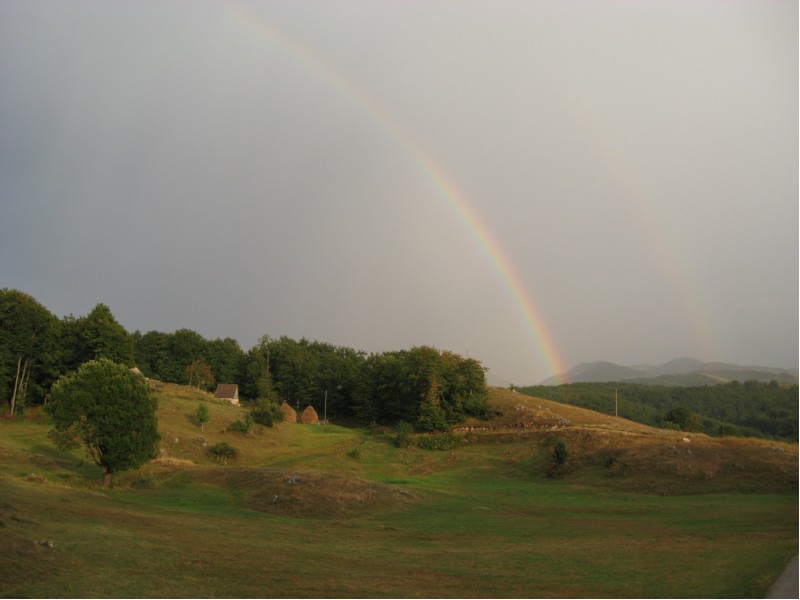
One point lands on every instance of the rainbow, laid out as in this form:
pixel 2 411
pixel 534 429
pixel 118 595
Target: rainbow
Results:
pixel 542 339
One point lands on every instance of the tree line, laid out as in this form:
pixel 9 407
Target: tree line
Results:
pixel 751 409
pixel 423 385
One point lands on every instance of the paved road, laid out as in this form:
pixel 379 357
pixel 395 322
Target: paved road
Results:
pixel 786 585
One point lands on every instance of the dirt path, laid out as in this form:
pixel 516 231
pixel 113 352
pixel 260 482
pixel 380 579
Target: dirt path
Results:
pixel 786 585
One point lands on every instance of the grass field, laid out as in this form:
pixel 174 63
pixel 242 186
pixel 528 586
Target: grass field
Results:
pixel 328 511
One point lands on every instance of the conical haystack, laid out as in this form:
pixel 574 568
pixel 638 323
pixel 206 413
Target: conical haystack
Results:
pixel 289 414
pixel 309 416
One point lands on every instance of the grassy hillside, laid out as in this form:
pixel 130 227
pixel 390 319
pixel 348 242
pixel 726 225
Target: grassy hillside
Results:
pixel 750 409
pixel 333 511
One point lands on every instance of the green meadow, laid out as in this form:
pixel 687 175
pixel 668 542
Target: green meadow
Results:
pixel 332 511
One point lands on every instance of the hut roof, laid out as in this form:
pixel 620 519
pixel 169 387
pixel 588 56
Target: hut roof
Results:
pixel 227 390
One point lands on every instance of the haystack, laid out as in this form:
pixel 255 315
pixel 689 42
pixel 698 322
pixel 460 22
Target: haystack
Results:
pixel 289 414
pixel 309 416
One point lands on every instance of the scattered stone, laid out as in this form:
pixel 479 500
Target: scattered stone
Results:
pixel 294 479
pixel 36 478
pixel 45 543
pixel 276 499
pixel 686 440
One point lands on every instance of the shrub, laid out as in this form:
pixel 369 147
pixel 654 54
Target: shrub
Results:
pixel 560 452
pixel 476 406
pixel 355 454
pixel 431 418
pixel 240 427
pixel 444 441
pixel 403 433
pixel 222 452
pixel 559 459
pixel 266 412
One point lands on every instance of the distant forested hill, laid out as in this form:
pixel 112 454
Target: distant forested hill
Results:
pixel 680 371
pixel 752 409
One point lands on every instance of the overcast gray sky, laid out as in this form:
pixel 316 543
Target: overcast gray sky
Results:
pixel 534 184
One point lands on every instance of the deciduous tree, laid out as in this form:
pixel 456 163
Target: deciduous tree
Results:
pixel 199 373
pixel 28 346
pixel 108 410
pixel 202 415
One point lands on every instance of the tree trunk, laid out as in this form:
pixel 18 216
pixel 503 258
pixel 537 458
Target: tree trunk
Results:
pixel 106 477
pixel 16 385
pixel 23 389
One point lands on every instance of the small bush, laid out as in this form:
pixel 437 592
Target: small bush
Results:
pixel 355 454
pixel 560 452
pixel 266 412
pixel 222 452
pixel 431 418
pixel 445 441
pixel 476 406
pixel 403 431
pixel 240 427
pixel 558 462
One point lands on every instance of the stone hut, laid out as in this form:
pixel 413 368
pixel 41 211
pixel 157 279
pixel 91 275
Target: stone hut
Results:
pixel 289 414
pixel 309 416
pixel 229 392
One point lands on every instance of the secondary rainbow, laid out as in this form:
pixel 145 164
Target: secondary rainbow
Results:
pixel 543 341
pixel 639 200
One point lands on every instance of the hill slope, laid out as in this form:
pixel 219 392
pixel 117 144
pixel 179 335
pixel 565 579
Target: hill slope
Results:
pixel 329 511
pixel 640 456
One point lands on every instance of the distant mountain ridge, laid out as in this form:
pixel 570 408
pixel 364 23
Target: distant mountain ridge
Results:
pixel 683 371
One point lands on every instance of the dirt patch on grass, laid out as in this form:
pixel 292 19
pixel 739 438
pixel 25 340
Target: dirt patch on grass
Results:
pixel 307 493
pixel 170 461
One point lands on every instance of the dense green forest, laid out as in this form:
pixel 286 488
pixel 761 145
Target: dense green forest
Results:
pixel 752 409
pixel 423 386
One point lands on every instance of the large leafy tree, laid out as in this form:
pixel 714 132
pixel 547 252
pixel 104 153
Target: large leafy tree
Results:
pixel 255 380
pixel 28 348
pixel 152 353
pixel 225 357
pixel 104 337
pixel 423 386
pixel 108 410
pixel 97 335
